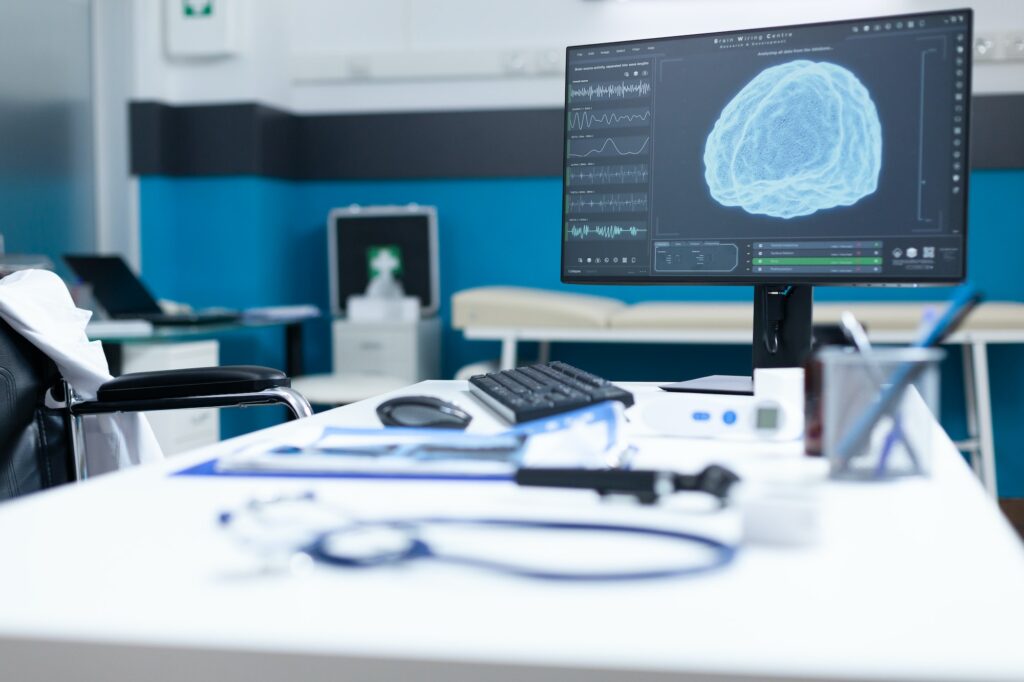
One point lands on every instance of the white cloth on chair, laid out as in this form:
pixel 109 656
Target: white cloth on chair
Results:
pixel 37 305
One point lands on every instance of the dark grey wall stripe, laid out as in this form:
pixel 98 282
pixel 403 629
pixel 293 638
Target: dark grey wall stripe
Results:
pixel 231 139
pixel 251 139
pixel 455 144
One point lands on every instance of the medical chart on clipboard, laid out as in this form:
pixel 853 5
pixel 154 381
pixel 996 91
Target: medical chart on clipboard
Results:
pixel 589 437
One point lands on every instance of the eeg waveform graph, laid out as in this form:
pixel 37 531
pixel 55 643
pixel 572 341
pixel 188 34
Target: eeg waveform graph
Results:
pixel 626 89
pixel 623 174
pixel 621 146
pixel 588 232
pixel 622 202
pixel 589 119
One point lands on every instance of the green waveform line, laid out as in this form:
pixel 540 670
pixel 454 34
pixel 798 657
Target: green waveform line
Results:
pixel 605 231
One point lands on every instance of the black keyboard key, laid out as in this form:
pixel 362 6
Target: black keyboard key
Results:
pixel 528 379
pixel 614 393
pixel 542 375
pixel 564 379
pixel 580 374
pixel 511 384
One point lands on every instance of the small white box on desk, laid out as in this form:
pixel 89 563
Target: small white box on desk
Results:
pixel 364 309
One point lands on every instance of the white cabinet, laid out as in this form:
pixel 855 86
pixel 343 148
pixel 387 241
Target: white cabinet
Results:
pixel 371 358
pixel 404 350
pixel 177 430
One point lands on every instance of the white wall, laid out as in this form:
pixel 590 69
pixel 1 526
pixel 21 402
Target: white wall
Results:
pixel 300 55
pixel 258 73
pixel 112 82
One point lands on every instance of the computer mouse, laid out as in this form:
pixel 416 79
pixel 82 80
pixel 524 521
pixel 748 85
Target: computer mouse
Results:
pixel 422 411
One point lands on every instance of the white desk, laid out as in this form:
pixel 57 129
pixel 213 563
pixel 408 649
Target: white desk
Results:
pixel 725 322
pixel 127 577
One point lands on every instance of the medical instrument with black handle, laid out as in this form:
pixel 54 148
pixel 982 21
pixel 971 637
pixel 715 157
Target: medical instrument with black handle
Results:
pixel 647 486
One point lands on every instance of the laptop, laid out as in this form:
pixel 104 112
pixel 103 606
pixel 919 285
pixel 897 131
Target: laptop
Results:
pixel 124 296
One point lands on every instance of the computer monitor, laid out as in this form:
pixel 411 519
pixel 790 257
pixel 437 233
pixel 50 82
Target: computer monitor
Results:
pixel 121 293
pixel 830 154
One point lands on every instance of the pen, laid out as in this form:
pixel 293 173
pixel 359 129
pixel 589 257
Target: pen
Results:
pixel 858 435
pixel 856 333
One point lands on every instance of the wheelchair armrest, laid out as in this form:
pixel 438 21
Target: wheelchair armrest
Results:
pixel 189 383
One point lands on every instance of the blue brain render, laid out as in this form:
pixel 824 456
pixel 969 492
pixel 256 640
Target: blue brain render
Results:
pixel 801 137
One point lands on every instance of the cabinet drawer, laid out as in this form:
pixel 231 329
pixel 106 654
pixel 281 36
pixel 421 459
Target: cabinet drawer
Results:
pixel 378 351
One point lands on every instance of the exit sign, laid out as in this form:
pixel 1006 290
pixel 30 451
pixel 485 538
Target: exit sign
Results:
pixel 197 8
pixel 202 29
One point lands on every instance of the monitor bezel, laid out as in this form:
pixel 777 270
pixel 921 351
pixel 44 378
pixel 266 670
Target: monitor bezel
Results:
pixel 706 280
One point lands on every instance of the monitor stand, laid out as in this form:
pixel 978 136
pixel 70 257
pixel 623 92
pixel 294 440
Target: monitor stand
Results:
pixel 782 338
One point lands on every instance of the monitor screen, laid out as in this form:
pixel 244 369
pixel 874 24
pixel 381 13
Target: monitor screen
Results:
pixel 822 153
pixel 121 293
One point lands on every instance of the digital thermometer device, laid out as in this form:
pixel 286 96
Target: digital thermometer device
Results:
pixel 774 412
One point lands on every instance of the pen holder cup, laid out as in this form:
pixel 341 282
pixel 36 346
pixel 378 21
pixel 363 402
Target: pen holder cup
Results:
pixel 879 411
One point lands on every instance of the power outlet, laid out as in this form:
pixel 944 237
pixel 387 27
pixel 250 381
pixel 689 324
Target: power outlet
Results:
pixel 997 47
pixel 1013 47
pixel 986 47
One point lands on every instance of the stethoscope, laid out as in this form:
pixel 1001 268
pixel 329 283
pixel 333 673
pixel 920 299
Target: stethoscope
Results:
pixel 393 542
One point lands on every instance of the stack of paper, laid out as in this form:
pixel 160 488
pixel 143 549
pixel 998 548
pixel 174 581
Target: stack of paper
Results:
pixel 590 437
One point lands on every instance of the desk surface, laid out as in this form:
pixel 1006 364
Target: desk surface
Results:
pixel 128 577
pixel 190 332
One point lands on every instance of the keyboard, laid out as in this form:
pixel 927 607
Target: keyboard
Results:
pixel 535 391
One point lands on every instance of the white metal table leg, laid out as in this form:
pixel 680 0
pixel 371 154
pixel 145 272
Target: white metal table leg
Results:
pixel 509 352
pixel 983 398
pixel 971 409
pixel 544 351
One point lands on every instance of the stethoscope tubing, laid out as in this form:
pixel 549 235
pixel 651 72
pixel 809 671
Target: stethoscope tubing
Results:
pixel 418 549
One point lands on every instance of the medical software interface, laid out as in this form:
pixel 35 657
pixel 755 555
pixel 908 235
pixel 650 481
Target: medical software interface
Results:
pixel 829 152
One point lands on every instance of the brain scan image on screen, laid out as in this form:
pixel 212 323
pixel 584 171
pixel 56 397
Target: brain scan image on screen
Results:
pixel 800 137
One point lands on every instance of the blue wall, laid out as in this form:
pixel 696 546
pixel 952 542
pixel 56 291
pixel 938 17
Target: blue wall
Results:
pixel 249 241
